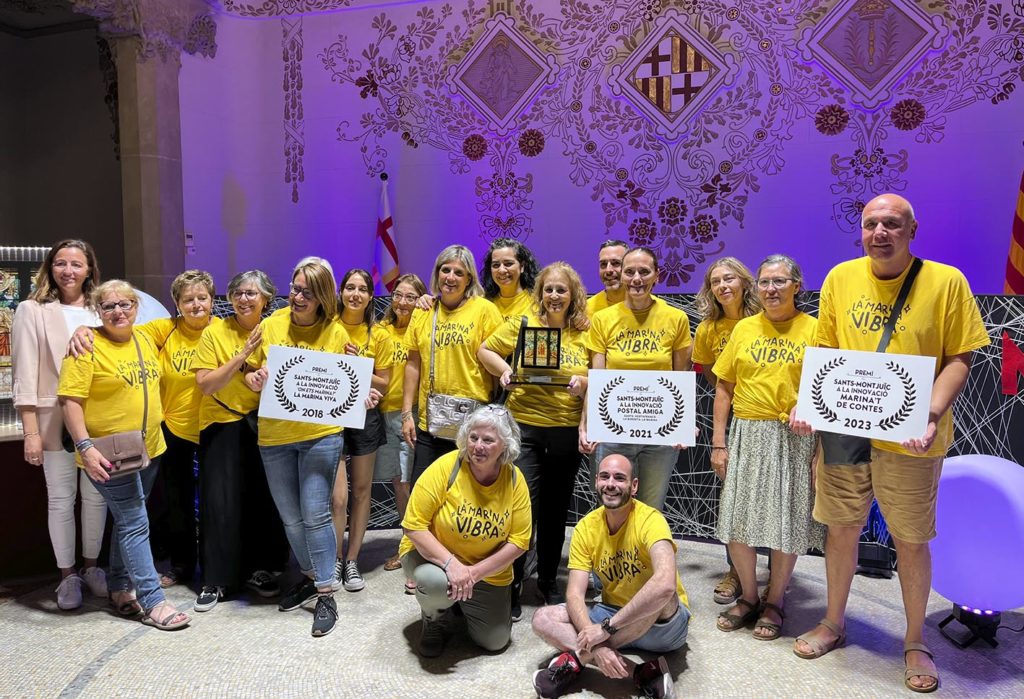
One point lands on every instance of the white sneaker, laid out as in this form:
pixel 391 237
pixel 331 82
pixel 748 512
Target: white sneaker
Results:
pixel 96 580
pixel 69 592
pixel 339 575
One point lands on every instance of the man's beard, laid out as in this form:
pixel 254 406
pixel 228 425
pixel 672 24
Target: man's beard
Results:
pixel 624 497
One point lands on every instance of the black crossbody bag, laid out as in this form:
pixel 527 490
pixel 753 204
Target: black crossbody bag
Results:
pixel 853 450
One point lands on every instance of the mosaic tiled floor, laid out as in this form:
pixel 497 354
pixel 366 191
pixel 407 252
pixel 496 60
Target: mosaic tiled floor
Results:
pixel 245 648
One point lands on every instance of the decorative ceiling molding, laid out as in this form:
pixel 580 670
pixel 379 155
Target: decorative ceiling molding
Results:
pixel 162 27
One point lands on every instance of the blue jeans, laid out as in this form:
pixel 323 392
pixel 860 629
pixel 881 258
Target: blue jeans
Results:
pixel 301 478
pixel 131 559
pixel 653 464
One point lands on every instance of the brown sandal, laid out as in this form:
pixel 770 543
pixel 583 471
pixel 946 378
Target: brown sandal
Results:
pixel 773 628
pixel 919 670
pixel 393 563
pixel 818 648
pixel 738 621
pixel 728 588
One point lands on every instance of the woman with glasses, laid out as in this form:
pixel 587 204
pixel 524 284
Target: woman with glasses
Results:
pixel 468 519
pixel 394 459
pixel 726 296
pixel 116 388
pixel 42 326
pixel 442 345
pixel 548 417
pixel 301 458
pixel 768 493
pixel 508 275
pixel 643 332
pixel 241 539
pixel 355 298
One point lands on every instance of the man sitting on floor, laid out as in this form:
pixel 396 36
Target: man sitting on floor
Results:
pixel 643 604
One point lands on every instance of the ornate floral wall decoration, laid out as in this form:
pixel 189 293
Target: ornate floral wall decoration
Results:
pixel 669 113
pixel 281 8
pixel 202 37
pixel 294 121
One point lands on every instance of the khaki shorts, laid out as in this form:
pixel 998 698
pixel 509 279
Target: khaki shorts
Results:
pixel 906 488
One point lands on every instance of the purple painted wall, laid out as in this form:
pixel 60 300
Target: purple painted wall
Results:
pixel 700 128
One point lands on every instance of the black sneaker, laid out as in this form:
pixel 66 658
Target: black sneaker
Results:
pixel 431 638
pixel 263 584
pixel 550 592
pixel 654 680
pixel 301 594
pixel 556 678
pixel 208 598
pixel 517 609
pixel 325 616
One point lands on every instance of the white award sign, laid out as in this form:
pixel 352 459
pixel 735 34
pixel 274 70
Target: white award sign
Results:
pixel 320 387
pixel 866 394
pixel 641 407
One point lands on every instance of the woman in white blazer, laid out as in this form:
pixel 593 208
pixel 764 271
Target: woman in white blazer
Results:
pixel 39 337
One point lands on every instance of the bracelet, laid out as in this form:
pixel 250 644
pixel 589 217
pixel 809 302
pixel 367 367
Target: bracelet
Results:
pixel 406 415
pixel 84 445
pixel 713 448
pixel 31 434
pixel 446 563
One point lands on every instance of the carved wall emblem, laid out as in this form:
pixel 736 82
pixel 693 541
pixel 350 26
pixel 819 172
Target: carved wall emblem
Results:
pixel 672 74
pixel 502 73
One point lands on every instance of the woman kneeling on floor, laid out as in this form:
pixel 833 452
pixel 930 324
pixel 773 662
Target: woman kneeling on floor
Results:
pixel 467 520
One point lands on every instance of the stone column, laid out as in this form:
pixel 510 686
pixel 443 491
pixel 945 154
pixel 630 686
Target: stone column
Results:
pixel 151 186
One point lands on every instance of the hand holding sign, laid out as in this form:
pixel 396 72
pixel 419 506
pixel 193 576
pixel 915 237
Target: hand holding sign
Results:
pixel 318 387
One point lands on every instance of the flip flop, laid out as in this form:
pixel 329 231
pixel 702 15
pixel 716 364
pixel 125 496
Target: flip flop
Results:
pixel 127 608
pixel 738 621
pixel 819 648
pixel 773 628
pixel 168 622
pixel 918 670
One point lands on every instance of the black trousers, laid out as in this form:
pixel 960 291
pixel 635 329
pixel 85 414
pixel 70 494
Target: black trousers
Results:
pixel 428 450
pixel 172 507
pixel 549 460
pixel 239 528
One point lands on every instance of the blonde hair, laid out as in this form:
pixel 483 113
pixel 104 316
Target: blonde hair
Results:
pixel 576 314
pixel 113 286
pixel 320 281
pixel 462 255
pixel 709 307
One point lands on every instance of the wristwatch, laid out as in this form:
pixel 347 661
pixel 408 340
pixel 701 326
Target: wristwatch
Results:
pixel 607 626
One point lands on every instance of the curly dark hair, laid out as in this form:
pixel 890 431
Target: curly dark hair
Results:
pixel 528 263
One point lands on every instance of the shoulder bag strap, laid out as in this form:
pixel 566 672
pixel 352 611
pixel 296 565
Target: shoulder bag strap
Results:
pixel 901 298
pixel 145 385
pixel 455 472
pixel 433 332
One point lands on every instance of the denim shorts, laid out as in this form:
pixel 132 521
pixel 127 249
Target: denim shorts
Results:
pixel 663 637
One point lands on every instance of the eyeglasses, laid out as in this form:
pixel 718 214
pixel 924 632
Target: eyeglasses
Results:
pixel 249 294
pixel 496 409
pixel 775 283
pixel 108 308
pixel 303 292
pixel 408 298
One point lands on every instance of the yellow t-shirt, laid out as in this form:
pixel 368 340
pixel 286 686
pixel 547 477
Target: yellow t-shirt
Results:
pixel 179 392
pixel 599 302
pixel 513 306
pixel 764 360
pixel 709 340
pixel 459 335
pixel 940 319
pixel 644 340
pixel 537 404
pixel 217 345
pixel 322 336
pixel 375 345
pixel 399 356
pixel 471 520
pixel 622 561
pixel 109 382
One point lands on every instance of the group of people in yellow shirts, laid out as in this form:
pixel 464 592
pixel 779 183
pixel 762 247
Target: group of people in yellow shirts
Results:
pixel 455 339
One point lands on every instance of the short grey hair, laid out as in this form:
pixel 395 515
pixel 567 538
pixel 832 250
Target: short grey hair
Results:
pixel 257 278
pixel 499 418
pixel 777 259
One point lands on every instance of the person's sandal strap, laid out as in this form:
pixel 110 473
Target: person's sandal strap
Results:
pixel 774 608
pixel 920 647
pixel 737 621
pixel 834 628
